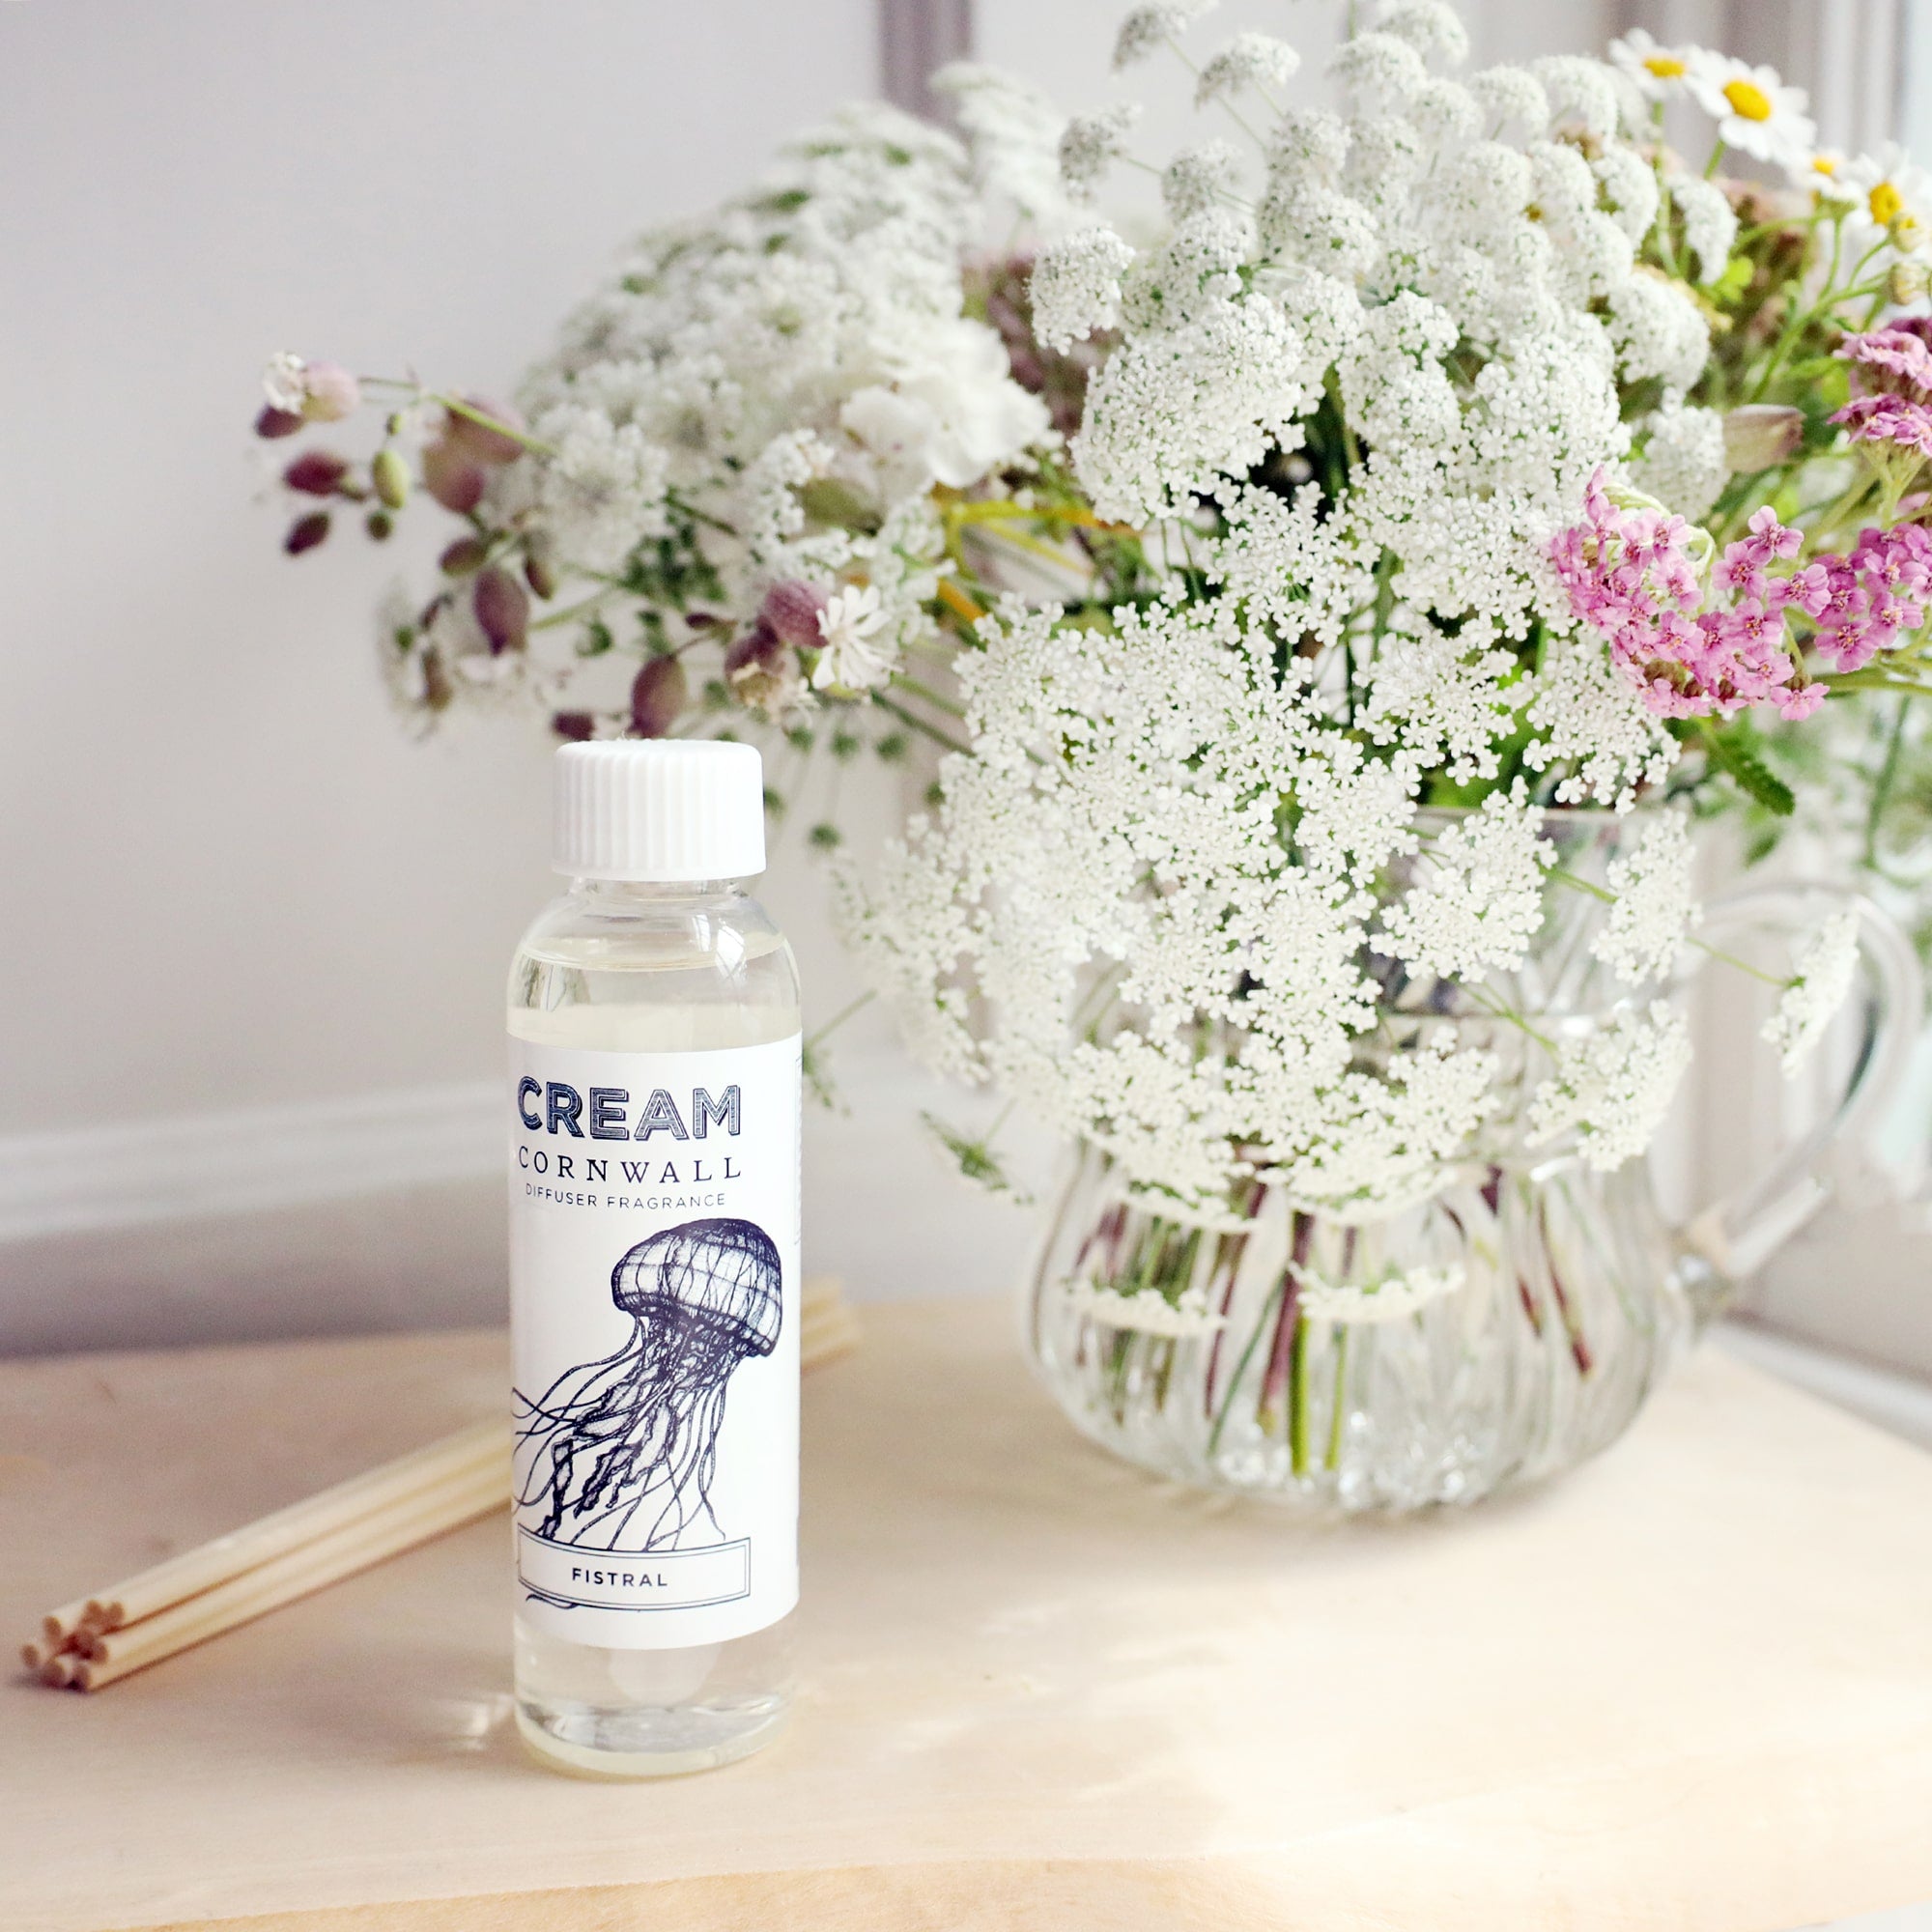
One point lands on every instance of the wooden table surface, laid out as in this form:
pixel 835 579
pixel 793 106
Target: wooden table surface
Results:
pixel 1689 1686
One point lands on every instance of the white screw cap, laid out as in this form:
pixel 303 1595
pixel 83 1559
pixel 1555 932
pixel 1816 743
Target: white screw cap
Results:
pixel 659 809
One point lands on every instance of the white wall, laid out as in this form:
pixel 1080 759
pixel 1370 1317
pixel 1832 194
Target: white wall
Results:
pixel 230 877
pixel 231 881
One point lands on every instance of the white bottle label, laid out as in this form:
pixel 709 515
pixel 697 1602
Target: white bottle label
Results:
pixel 654 1298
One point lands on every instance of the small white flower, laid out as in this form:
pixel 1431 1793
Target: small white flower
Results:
pixel 1093 143
pixel 283 383
pixel 1710 223
pixel 1479 901
pixel 1613 1084
pixel 1822 979
pixel 603 494
pixel 1149 27
pixel 1199 178
pixel 1249 60
pixel 852 657
pixel 1391 1298
pixel 951 411
pixel 1755 111
pixel 1658 71
pixel 1076 286
pixel 1685 464
pixel 1655 907
pixel 1147 1311
pixel 1432 27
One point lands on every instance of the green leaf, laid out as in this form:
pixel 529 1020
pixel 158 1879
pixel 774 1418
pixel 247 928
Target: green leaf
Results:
pixel 1752 775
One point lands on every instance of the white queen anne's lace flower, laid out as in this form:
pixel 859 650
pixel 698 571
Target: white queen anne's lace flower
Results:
pixel 1655 907
pixel 1391 1298
pixel 1820 983
pixel 1250 60
pixel 1091 143
pixel 1149 27
pixel 1148 1313
pixel 1479 901
pixel 1076 285
pixel 1612 1085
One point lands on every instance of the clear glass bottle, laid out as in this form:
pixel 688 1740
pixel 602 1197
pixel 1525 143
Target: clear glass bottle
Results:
pixel 654 1033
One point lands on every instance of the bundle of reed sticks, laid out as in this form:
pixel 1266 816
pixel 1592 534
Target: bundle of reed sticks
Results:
pixel 97 1639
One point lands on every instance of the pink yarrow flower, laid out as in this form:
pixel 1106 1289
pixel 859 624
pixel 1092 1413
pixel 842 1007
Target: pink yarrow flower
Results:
pixel 1895 359
pixel 1892 418
pixel 1630 575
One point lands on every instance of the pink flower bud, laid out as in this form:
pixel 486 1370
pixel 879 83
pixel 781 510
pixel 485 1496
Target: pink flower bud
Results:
pixel 539 576
pixel 271 423
pixel 575 727
pixel 758 650
pixel 478 441
pixel 792 609
pixel 452 478
pixel 305 532
pixel 315 472
pixel 464 558
pixel 503 609
pixel 658 698
pixel 329 392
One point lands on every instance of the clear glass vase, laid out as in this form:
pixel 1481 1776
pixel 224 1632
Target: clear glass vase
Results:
pixel 1235 1363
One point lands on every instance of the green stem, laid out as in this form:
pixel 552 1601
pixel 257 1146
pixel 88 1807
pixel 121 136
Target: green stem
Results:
pixel 1338 1413
pixel 838 1020
pixel 1241 1367
pixel 1887 777
pixel 938 699
pixel 919 724
pixel 1484 997
pixel 1298 1418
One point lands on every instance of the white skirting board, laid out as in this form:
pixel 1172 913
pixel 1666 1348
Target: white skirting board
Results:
pixel 86 1179
pixel 386 1212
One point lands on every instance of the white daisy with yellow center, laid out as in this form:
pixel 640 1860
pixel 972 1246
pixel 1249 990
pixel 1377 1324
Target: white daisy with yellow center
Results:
pixel 1889 195
pixel 1822 173
pixel 1659 72
pixel 1755 112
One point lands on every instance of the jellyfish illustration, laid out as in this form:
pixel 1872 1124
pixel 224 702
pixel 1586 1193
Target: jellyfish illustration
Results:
pixel 621 1452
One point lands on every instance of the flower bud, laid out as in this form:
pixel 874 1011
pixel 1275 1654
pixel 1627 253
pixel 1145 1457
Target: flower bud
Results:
pixel 658 698
pixel 329 392
pixel 1910 281
pixel 791 609
pixel 464 558
pixel 478 441
pixel 502 609
pixel 378 524
pixel 271 423
pixel 538 575
pixel 305 532
pixel 757 653
pixel 391 475
pixel 315 472
pixel 573 726
pixel 1761 436
pixel 452 478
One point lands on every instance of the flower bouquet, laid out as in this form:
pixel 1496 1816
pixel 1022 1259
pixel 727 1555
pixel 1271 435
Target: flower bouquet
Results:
pixel 1338 601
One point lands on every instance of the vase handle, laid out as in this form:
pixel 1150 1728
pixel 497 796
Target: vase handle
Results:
pixel 1737 1232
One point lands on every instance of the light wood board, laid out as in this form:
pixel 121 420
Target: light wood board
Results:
pixel 1690 1687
